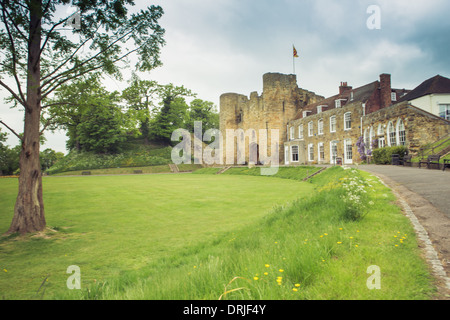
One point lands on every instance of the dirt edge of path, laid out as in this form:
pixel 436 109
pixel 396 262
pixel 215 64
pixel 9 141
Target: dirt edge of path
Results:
pixel 431 226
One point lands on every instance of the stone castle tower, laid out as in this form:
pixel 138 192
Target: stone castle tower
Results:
pixel 279 102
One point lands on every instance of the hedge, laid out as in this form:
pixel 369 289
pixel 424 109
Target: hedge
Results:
pixel 384 155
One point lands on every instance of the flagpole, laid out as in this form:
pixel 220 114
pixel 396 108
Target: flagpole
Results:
pixel 293 63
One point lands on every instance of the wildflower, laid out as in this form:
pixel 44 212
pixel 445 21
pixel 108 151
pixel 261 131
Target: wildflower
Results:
pixel 339 242
pixel 351 237
pixel 297 285
pixel 281 270
pixel 266 273
pixel 5 270
pixel 267 265
pixel 325 234
pixel 255 278
pixel 294 289
pixel 356 245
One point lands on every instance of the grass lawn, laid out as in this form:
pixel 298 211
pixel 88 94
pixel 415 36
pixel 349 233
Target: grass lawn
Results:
pixel 108 225
pixel 207 236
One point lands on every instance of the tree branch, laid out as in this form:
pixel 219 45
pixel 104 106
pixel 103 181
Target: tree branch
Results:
pixel 12 130
pixel 50 31
pixel 14 57
pixel 22 102
pixel 59 82
pixel 15 25
pixel 63 63
pixel 62 74
pixel 58 104
pixel 47 123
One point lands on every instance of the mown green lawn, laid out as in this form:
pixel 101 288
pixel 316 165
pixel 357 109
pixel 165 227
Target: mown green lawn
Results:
pixel 208 236
pixel 107 225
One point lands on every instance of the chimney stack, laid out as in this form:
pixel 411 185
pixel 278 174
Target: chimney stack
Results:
pixel 385 90
pixel 344 88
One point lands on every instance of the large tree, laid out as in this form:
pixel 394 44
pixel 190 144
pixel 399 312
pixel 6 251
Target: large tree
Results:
pixel 93 119
pixel 40 52
pixel 173 112
pixel 139 97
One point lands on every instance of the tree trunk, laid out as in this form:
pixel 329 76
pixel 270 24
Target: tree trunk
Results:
pixel 29 207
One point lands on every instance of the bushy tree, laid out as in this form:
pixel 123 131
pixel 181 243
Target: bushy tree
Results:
pixel 101 129
pixel 93 119
pixel 173 112
pixel 204 111
pixel 139 96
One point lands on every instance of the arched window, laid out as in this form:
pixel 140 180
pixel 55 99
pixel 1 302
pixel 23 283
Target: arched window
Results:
pixel 366 140
pixel 401 134
pixel 380 133
pixel 391 135
pixel 371 138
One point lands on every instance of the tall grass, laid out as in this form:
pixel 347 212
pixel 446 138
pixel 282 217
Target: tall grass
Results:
pixel 309 249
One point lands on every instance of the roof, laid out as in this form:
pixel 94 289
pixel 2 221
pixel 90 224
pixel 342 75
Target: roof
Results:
pixel 437 84
pixel 361 94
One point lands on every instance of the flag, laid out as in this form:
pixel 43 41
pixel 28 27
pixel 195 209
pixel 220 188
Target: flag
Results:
pixel 295 53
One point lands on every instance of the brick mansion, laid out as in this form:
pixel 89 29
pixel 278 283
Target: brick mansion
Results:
pixel 318 130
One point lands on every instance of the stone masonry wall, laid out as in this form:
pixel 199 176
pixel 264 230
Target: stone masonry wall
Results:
pixel 421 128
pixel 279 102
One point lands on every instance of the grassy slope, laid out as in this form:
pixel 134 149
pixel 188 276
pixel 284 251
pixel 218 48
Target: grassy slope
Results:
pixel 112 224
pixel 306 243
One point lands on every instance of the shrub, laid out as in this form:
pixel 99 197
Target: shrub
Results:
pixel 384 155
pixel 88 161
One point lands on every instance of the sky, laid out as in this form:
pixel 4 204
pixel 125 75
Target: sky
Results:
pixel 219 46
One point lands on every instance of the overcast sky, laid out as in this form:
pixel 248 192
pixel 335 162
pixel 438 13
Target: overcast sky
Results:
pixel 219 46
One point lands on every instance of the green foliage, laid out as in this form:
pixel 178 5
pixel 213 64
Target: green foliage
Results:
pixel 384 155
pixel 93 119
pixel 170 118
pixel 49 157
pixel 89 160
pixel 101 130
pixel 203 111
pixel 9 157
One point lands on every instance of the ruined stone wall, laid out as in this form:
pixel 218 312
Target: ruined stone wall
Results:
pixel 273 109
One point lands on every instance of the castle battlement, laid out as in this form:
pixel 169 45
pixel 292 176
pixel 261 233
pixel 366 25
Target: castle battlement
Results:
pixel 273 109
